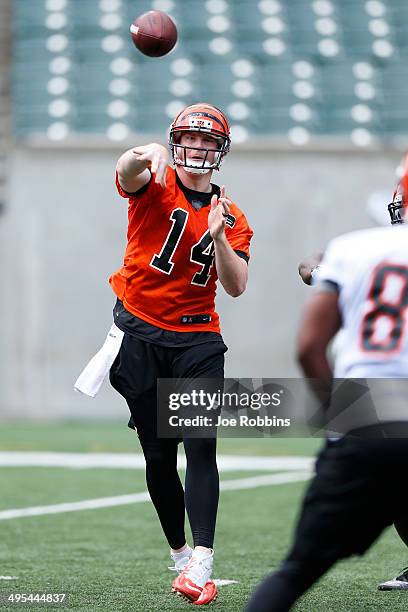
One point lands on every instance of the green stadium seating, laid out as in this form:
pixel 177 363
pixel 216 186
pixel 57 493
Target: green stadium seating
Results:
pixel 275 64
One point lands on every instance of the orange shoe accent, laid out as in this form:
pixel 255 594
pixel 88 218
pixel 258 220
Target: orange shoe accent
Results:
pixel 208 594
pixel 184 586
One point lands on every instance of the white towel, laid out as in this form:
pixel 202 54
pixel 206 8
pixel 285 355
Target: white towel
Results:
pixel 93 375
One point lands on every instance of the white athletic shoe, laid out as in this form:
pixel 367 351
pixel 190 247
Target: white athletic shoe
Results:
pixel 199 568
pixel 181 559
pixel 195 576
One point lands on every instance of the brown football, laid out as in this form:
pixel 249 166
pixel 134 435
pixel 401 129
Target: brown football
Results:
pixel 154 33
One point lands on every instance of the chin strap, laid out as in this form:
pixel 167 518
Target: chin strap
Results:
pixel 190 168
pixel 197 170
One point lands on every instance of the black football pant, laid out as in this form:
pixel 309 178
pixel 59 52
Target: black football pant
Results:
pixel 355 494
pixel 401 526
pixel 134 375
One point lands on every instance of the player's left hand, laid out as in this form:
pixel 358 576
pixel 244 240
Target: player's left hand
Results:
pixel 220 208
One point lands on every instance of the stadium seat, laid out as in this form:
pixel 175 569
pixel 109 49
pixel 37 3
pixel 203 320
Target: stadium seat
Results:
pixel 329 67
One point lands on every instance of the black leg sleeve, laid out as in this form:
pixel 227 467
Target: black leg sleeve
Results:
pixel 165 488
pixel 202 488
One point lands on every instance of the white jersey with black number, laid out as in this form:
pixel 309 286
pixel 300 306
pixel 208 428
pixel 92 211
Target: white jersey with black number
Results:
pixel 369 269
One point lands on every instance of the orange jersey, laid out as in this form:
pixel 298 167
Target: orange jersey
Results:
pixel 168 278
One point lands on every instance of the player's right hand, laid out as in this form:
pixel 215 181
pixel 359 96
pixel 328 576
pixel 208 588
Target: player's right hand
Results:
pixel 307 266
pixel 158 158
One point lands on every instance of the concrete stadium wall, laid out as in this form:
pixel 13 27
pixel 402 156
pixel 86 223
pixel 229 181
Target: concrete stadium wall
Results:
pixel 63 233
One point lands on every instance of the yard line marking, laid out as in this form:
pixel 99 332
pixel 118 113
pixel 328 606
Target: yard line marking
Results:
pixel 8 577
pixel 123 500
pixel 222 582
pixel 237 484
pixel 90 504
pixel 226 463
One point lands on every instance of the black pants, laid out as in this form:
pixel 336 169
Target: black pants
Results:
pixel 356 493
pixel 134 375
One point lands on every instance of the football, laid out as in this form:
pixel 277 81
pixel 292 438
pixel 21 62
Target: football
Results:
pixel 154 33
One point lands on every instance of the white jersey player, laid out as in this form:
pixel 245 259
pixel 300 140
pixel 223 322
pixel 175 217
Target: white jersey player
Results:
pixel 364 278
pixel 368 270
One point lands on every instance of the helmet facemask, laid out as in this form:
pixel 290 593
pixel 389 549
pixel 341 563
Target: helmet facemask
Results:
pixel 396 208
pixel 399 201
pixel 182 158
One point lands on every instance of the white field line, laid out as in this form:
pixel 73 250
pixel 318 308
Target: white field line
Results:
pixel 122 500
pixel 90 504
pixel 226 463
pixel 262 481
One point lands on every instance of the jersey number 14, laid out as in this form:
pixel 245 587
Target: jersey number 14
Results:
pixel 202 252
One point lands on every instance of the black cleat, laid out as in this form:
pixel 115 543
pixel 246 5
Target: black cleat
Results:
pixel 399 583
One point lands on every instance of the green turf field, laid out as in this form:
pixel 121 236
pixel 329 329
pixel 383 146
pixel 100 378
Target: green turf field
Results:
pixel 116 558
